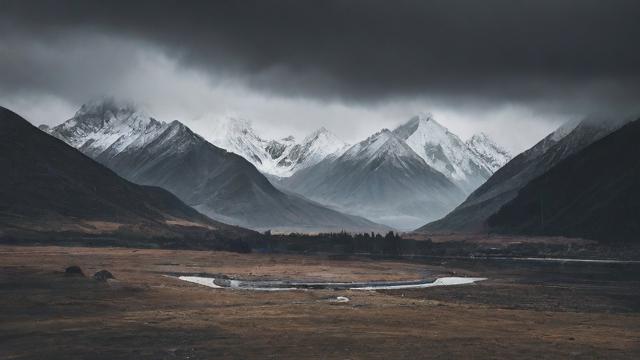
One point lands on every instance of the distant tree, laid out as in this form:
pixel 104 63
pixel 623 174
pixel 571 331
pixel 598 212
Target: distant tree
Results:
pixel 391 244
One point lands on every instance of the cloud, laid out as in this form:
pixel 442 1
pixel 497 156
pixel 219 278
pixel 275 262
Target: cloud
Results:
pixel 371 50
pixel 471 61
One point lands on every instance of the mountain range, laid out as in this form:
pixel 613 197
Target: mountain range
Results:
pixel 579 181
pixel 226 187
pixel 380 178
pixel 220 184
pixel 468 164
pixel 406 190
pixel 280 158
pixel 503 186
pixel 51 191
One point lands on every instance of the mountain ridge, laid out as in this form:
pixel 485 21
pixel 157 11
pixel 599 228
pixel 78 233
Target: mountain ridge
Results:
pixel 221 184
pixel 592 193
pixel 281 157
pixel 53 191
pixel 448 154
pixel 504 184
pixel 380 178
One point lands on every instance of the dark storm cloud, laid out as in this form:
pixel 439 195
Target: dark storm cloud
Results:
pixel 544 53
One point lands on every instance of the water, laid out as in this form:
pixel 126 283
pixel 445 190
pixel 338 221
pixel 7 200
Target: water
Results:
pixel 294 285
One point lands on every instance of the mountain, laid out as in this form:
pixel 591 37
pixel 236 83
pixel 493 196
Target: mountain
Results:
pixel 218 183
pixel 493 156
pixel 280 158
pixel 50 190
pixel 468 167
pixel 380 178
pixel 592 194
pixel 503 186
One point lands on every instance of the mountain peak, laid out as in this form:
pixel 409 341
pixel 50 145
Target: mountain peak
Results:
pixel 423 122
pixel 424 116
pixel 444 151
pixel 106 123
pixel 381 144
pixel 483 146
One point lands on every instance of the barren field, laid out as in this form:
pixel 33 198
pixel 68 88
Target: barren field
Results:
pixel 523 311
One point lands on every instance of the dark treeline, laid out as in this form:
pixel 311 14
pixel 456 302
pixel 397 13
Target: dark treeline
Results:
pixel 394 245
pixel 341 244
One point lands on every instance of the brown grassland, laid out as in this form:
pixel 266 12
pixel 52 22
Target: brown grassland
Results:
pixel 519 312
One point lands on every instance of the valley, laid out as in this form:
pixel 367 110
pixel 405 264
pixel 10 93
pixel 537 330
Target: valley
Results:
pixel 338 179
pixel 569 310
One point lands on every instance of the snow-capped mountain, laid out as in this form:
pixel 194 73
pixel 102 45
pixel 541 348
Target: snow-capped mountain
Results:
pixel 504 185
pixel 107 127
pixel 381 146
pixel 488 151
pixel 314 148
pixel 282 157
pixel 380 178
pixel 446 152
pixel 52 191
pixel 220 184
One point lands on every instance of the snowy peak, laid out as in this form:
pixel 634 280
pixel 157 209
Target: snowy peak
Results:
pixel 446 152
pixel 107 127
pixel 381 145
pixel 424 120
pixel 381 178
pixel 281 157
pixel 320 144
pixel 237 135
pixel 487 150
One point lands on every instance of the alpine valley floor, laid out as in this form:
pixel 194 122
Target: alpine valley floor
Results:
pixel 524 310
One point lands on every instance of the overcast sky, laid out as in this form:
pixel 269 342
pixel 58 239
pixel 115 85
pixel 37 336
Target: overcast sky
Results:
pixel 514 69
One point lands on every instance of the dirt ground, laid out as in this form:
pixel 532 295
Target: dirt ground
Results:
pixel 521 312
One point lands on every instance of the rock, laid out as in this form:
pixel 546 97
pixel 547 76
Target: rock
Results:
pixel 340 299
pixel 103 275
pixel 222 282
pixel 73 271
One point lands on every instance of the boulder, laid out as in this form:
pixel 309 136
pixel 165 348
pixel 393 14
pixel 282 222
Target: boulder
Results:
pixel 103 275
pixel 73 271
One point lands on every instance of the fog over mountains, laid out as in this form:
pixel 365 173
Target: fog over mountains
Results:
pixel 218 183
pixel 401 178
pixel 380 178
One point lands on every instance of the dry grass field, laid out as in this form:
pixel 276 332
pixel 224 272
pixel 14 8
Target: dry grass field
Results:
pixel 520 312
